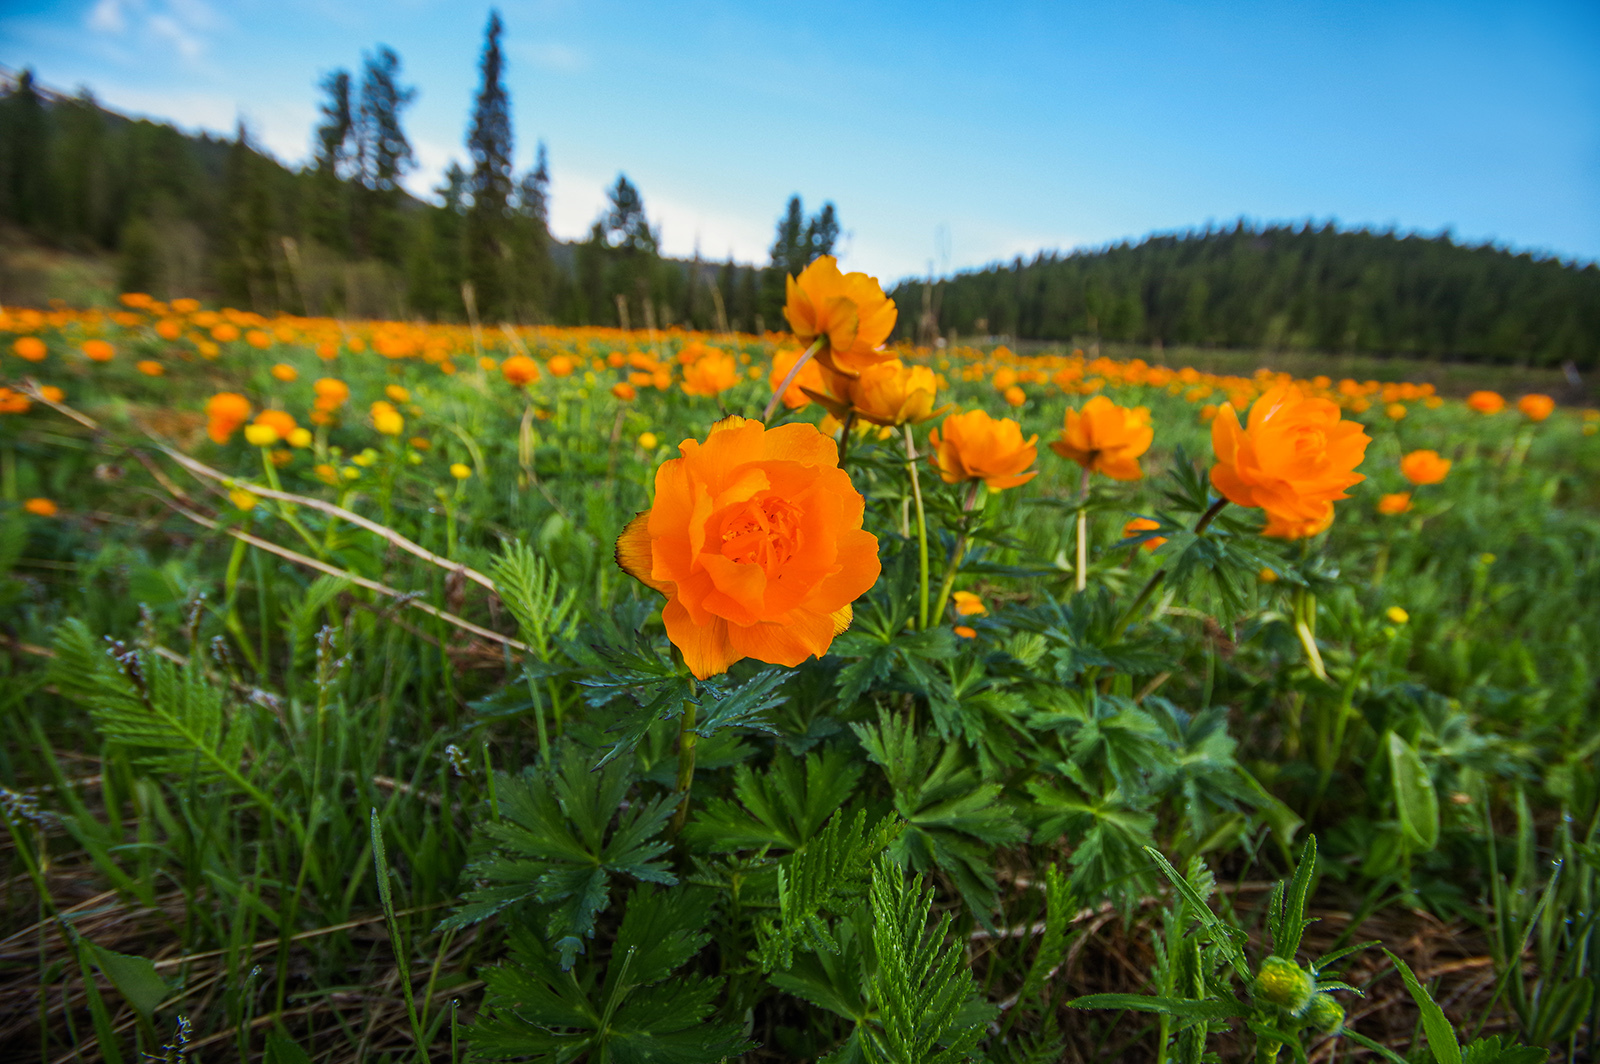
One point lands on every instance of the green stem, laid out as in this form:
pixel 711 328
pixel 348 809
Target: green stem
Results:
pixel 687 739
pixel 1138 603
pixel 1305 620
pixel 844 437
pixel 922 530
pixel 956 556
pixel 1081 576
pixel 1209 516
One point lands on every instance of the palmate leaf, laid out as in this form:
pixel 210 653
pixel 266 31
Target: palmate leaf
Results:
pixel 783 807
pixel 953 818
pixel 561 838
pixel 638 1012
pixel 1107 834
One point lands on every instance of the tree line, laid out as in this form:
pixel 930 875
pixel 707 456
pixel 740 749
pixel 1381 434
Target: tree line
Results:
pixel 1282 287
pixel 341 235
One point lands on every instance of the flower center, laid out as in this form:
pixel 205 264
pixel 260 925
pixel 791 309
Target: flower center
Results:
pixel 765 532
pixel 1309 442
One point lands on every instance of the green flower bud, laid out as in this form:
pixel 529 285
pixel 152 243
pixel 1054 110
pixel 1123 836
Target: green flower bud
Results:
pixel 1325 1014
pixel 1284 984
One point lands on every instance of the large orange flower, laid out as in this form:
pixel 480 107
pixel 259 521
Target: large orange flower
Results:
pixel 1424 467
pixel 848 312
pixel 755 538
pixel 975 446
pixel 1293 459
pixel 1106 438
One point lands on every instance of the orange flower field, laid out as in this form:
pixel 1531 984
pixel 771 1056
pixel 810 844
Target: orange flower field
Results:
pixel 678 678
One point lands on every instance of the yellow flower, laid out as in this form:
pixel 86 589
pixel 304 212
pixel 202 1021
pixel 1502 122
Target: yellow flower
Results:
pixel 241 498
pixel 351 473
pixel 648 441
pixel 1397 615
pixel 397 393
pixel 299 437
pixel 260 435
pixel 386 419
pixel 460 470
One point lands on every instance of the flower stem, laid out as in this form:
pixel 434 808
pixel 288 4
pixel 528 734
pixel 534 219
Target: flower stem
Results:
pixel 1305 621
pixel 922 530
pixel 1210 515
pixel 956 556
pixel 1081 580
pixel 794 371
pixel 844 436
pixel 687 738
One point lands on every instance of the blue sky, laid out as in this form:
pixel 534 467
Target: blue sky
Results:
pixel 947 134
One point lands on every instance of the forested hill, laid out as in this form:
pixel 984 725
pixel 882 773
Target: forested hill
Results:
pixel 1284 287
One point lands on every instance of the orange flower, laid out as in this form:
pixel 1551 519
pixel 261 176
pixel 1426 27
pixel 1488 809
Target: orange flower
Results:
pixel 1280 526
pixel 1486 402
pixel 975 446
pixel 755 538
pixel 29 347
pixel 888 393
pixel 169 328
pixel 282 422
pixel 711 375
pixel 285 372
pixel 1536 407
pixel 1394 503
pixel 809 377
pixel 1424 467
pixel 520 370
pixel 13 402
pixel 965 632
pixel 258 339
pixel 561 366
pixel 225 412
pixel 150 367
pixel 225 332
pixel 1295 457
pixel 331 393
pixel 40 507
pixel 1395 411
pixel 968 604
pixel 98 350
pixel 847 312
pixel 1015 396
pixel 1143 524
pixel 624 391
pixel 1106 438
pixel 386 419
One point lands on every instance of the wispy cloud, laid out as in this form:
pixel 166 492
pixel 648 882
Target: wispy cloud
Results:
pixel 552 56
pixel 183 26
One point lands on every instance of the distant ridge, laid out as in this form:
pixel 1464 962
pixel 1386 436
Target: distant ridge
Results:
pixel 1283 287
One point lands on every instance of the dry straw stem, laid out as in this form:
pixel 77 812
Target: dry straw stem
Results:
pixel 360 581
pixel 31 388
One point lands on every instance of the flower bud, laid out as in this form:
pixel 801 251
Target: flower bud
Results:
pixel 1284 984
pixel 1325 1014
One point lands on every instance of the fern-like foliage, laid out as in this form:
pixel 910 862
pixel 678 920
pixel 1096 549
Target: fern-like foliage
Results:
pixel 828 876
pixel 637 1012
pixel 926 1000
pixel 531 591
pixel 953 817
pixel 783 807
pixel 560 839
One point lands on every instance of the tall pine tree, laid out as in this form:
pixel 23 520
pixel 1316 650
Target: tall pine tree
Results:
pixel 328 216
pixel 383 155
pixel 488 247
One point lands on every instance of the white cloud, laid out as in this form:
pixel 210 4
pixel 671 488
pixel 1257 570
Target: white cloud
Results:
pixel 182 25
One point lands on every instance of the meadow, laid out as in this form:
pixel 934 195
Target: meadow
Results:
pixel 963 705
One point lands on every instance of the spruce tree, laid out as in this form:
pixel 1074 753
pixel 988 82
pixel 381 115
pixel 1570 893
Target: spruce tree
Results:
pixel 489 143
pixel 383 154
pixel 328 213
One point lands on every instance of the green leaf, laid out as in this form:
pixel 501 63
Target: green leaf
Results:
pixel 1184 1008
pixel 927 1002
pixel 1289 910
pixel 1441 1036
pixel 783 807
pixel 530 590
pixel 283 1050
pixel 134 977
pixel 561 837
pixel 1492 1050
pixel 1227 938
pixel 643 1010
pixel 1416 804
pixel 826 876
